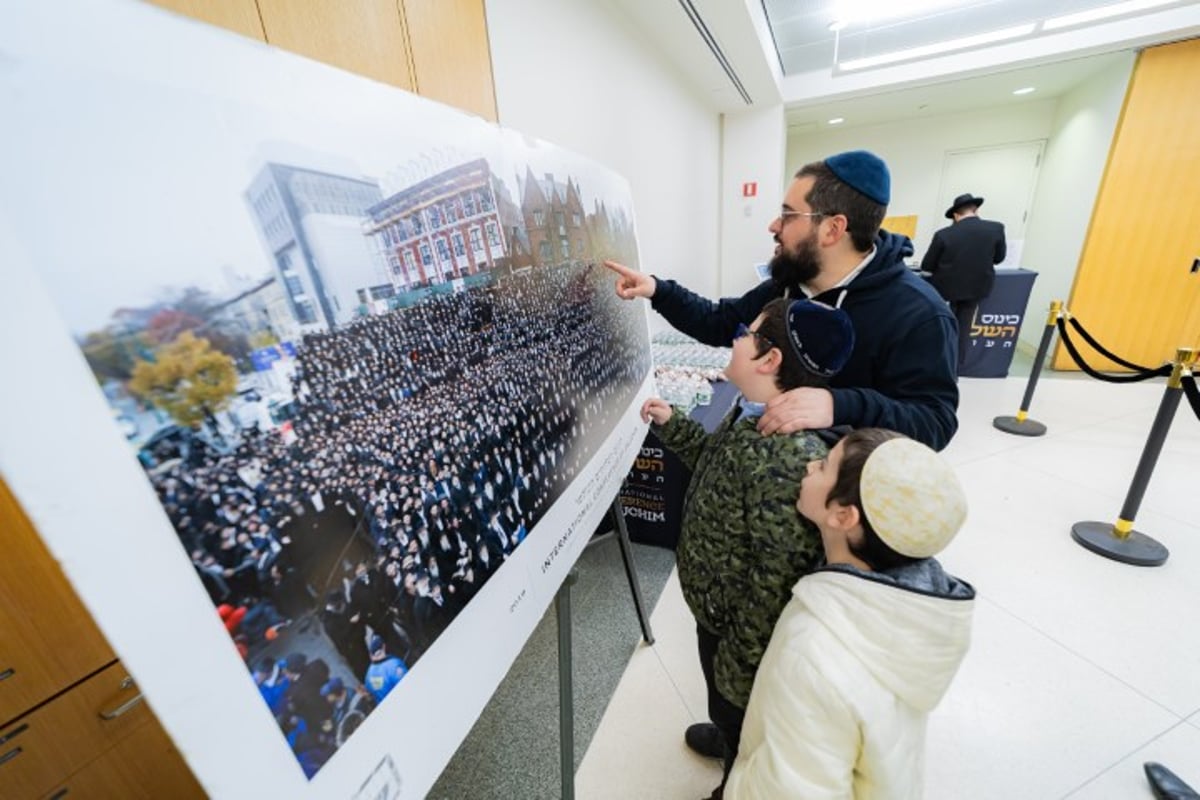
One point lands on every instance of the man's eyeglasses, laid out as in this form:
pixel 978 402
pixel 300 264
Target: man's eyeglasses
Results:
pixel 744 330
pixel 785 213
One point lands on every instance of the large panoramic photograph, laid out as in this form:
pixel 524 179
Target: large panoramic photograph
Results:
pixel 358 351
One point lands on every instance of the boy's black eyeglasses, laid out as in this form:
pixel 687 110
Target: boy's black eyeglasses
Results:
pixel 744 330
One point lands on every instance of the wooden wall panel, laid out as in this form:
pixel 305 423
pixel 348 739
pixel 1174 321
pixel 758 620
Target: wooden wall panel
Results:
pixel 1133 290
pixel 366 37
pixel 47 639
pixel 239 16
pixel 452 60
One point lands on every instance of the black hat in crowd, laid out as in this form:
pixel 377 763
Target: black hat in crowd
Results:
pixel 967 199
pixel 821 336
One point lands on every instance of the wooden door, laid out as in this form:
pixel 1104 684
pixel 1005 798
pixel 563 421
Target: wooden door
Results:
pixel 47 639
pixel 1134 290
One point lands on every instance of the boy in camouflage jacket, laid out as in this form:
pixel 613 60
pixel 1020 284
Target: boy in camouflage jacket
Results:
pixel 742 546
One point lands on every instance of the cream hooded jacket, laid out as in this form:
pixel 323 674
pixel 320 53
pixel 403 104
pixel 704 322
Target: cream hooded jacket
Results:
pixel 840 702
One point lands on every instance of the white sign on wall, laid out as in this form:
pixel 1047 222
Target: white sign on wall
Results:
pixel 316 598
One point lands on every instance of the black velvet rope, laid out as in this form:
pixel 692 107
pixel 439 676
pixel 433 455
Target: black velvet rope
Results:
pixel 1192 393
pixel 1165 369
pixel 1087 337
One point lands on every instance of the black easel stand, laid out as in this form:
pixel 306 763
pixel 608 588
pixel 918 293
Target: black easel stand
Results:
pixel 1120 541
pixel 1021 425
pixel 566 689
pixel 635 587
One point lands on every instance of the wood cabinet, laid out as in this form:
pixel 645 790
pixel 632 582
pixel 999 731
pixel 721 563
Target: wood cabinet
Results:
pixel 70 716
pixel 47 639
pixel 371 41
pixel 435 48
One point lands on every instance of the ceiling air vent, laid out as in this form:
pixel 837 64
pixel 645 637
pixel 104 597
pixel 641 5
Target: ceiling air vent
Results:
pixel 707 36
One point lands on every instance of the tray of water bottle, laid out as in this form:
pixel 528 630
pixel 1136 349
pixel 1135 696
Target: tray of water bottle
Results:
pixel 685 369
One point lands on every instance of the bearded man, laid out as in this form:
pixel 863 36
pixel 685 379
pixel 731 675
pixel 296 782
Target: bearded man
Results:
pixel 829 247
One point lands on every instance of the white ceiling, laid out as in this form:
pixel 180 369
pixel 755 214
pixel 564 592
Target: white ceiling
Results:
pixel 804 42
pixel 987 91
pixel 689 34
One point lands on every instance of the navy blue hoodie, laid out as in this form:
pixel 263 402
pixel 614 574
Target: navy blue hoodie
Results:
pixel 902 372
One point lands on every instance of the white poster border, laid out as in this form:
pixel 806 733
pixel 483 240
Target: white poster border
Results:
pixel 74 475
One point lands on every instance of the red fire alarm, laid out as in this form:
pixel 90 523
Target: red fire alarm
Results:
pixel 749 189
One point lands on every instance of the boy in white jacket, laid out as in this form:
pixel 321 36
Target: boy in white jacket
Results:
pixel 868 645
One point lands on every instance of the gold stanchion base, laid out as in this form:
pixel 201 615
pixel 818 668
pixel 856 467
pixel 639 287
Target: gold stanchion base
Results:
pixel 1136 548
pixel 1026 427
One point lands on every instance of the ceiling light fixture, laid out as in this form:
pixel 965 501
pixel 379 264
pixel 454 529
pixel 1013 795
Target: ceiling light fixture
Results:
pixel 1025 90
pixel 836 121
pixel 849 11
pixel 938 48
pixel 1104 12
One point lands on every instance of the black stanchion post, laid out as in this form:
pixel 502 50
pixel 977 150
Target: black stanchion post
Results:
pixel 1120 541
pixel 1021 425
pixel 566 688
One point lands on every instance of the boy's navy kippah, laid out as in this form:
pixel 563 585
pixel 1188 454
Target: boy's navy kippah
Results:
pixel 821 336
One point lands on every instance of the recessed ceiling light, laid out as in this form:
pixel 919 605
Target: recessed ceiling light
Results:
pixel 1025 90
pixel 836 121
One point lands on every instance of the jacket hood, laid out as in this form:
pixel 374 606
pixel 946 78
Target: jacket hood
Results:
pixel 890 251
pixel 909 627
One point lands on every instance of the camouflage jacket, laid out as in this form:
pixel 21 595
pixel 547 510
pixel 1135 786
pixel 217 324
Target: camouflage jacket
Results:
pixel 742 546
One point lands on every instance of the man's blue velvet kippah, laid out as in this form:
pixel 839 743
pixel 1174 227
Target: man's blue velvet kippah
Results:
pixel 864 172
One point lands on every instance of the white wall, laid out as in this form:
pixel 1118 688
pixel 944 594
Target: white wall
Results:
pixel 577 74
pixel 915 150
pixel 753 145
pixel 1076 155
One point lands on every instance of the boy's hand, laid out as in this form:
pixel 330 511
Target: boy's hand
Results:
pixel 803 409
pixel 631 283
pixel 656 409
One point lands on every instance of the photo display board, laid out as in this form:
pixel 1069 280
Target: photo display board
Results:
pixel 315 388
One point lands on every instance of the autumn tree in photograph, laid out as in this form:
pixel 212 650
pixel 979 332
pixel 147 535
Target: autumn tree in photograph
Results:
pixel 188 379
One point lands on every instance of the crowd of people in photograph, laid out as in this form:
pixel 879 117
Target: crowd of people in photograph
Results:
pixel 444 431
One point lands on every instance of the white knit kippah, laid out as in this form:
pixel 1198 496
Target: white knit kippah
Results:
pixel 912 498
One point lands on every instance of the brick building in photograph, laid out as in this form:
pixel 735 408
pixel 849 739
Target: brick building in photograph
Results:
pixel 448 226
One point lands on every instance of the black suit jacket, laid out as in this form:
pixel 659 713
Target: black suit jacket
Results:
pixel 962 258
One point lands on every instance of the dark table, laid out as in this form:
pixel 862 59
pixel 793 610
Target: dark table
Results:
pixel 653 492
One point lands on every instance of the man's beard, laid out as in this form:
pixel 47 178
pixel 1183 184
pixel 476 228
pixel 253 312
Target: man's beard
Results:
pixel 789 271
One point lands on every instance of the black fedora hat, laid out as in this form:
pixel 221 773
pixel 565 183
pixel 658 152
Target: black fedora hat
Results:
pixel 967 199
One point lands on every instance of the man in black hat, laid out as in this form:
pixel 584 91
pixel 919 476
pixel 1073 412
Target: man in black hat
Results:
pixel 961 262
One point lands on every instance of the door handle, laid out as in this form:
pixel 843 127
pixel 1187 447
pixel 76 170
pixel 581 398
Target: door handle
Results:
pixel 125 707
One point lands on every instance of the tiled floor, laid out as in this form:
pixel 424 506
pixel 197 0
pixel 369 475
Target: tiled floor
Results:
pixel 1080 669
